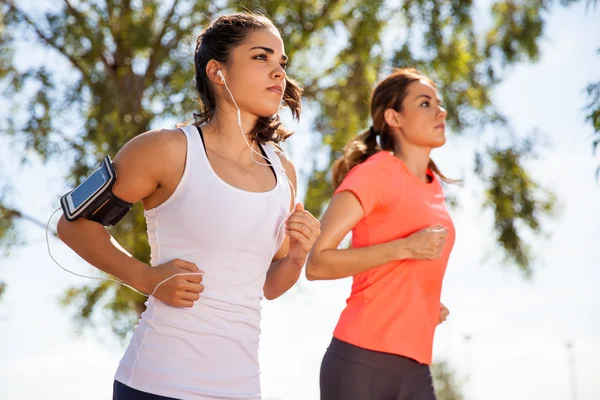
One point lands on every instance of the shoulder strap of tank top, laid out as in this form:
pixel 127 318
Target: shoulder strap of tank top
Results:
pixel 201 139
pixel 282 173
pixel 272 155
pixel 262 150
pixel 192 140
pixel 275 161
pixel 267 158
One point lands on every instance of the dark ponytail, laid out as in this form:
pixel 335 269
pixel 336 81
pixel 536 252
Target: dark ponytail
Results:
pixel 216 43
pixel 388 94
pixel 356 151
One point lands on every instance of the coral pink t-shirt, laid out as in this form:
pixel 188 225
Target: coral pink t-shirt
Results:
pixel 394 308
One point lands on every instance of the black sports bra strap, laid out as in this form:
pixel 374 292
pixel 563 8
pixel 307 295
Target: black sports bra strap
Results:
pixel 259 146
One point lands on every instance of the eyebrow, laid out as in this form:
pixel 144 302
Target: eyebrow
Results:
pixel 427 96
pixel 270 51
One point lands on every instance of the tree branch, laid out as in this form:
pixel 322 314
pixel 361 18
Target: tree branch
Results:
pixel 82 22
pixel 155 57
pixel 49 40
pixel 326 7
pixel 12 213
pixel 70 141
pixel 319 21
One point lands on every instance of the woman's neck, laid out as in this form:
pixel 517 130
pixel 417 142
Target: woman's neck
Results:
pixel 224 130
pixel 416 159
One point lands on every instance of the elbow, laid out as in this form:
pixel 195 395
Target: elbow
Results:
pixel 270 293
pixel 311 277
pixel 313 271
pixel 62 228
pixel 270 296
pixel 67 231
pixel 311 274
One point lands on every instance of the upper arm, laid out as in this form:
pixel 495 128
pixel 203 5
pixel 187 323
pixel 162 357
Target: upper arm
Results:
pixel 290 171
pixel 342 214
pixel 143 163
pixel 359 194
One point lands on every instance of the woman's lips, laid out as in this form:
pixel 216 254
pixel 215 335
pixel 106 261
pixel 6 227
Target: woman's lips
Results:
pixel 276 89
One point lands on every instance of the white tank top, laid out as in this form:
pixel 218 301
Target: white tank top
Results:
pixel 208 351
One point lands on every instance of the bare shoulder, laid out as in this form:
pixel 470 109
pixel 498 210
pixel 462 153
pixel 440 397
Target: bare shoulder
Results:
pixel 158 140
pixel 148 161
pixel 158 147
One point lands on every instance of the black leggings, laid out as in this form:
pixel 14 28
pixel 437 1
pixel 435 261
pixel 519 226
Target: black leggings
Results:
pixel 124 392
pixel 349 372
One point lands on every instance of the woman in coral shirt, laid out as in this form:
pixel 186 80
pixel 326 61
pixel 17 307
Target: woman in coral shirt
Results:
pixel 388 193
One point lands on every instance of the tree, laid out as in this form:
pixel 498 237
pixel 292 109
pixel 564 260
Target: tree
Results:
pixel 593 116
pixel 2 288
pixel 128 65
pixel 444 381
pixel 593 95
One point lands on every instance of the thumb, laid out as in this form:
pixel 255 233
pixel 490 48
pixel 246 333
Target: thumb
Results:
pixel 299 207
pixel 438 228
pixel 186 265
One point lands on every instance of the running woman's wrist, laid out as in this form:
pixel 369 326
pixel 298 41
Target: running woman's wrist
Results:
pixel 401 249
pixel 139 276
pixel 298 263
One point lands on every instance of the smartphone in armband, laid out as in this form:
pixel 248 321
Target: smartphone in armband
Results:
pixel 93 199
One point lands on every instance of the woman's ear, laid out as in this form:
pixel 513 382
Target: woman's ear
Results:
pixel 392 118
pixel 212 72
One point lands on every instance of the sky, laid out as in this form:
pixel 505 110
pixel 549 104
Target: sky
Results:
pixel 518 329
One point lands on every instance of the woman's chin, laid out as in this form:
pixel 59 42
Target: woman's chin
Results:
pixel 267 112
pixel 440 142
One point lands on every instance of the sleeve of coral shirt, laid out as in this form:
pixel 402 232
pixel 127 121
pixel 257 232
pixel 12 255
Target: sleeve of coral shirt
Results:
pixel 364 181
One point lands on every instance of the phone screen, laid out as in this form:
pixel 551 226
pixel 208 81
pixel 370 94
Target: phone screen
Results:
pixel 88 187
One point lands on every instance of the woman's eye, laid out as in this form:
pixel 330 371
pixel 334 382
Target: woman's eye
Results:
pixel 284 66
pixel 261 57
pixel 425 104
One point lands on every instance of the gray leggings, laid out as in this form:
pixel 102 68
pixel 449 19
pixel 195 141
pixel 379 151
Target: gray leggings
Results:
pixel 349 372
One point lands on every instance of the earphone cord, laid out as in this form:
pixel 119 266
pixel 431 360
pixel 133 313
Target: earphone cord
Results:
pixel 239 119
pixel 269 164
pixel 108 278
pixel 74 273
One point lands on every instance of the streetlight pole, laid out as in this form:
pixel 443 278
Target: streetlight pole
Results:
pixel 467 384
pixel 569 347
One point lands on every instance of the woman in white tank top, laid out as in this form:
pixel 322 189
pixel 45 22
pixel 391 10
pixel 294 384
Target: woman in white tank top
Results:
pixel 222 223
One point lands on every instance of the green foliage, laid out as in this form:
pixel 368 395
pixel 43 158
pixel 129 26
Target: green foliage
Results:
pixel 445 383
pixel 440 39
pixel 515 198
pixel 593 116
pixel 125 66
pixel 2 288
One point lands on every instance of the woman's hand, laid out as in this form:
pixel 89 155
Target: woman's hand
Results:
pixel 176 291
pixel 426 244
pixel 303 229
pixel 444 312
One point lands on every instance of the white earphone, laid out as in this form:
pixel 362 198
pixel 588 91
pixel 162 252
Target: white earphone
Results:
pixel 254 152
pixel 252 155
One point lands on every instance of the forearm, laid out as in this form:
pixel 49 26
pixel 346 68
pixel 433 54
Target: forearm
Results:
pixel 328 264
pixel 281 276
pixel 92 242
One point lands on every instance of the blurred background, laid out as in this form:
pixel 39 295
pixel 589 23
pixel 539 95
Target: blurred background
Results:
pixel 520 80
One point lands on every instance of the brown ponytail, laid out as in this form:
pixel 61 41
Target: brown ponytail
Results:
pixel 216 43
pixel 434 168
pixel 356 151
pixel 388 94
